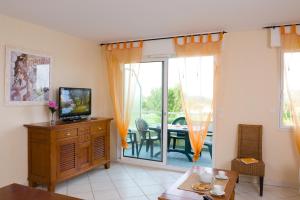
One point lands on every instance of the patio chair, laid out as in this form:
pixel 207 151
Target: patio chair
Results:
pixel 131 139
pixel 146 136
pixel 250 146
pixel 174 136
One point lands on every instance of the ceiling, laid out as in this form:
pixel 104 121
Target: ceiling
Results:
pixel 114 20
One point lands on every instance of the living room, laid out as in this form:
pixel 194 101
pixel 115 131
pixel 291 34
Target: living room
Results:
pixel 240 66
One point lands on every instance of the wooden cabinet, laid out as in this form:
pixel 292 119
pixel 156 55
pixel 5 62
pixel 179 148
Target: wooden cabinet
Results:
pixel 62 151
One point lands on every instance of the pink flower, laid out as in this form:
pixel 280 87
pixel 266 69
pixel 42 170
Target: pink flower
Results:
pixel 52 106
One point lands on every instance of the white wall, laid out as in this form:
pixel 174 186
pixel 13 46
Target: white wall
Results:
pixel 77 63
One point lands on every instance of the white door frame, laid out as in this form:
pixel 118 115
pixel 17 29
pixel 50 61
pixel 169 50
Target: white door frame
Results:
pixel 154 163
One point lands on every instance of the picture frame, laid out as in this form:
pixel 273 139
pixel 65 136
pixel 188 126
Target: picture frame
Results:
pixel 27 77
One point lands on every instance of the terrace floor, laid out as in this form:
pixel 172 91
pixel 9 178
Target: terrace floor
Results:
pixel 173 158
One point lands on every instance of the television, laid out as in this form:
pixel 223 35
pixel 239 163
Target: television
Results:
pixel 74 103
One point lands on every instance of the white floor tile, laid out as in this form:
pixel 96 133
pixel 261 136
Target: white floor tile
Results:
pixel 120 176
pixel 79 188
pixel 124 183
pixel 61 188
pixel 152 189
pixel 106 195
pixel 153 196
pixel 147 181
pixel 84 195
pixel 136 198
pixel 82 179
pixel 130 192
pixel 102 185
pixel 98 178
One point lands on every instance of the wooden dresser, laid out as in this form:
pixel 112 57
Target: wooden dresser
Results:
pixel 64 150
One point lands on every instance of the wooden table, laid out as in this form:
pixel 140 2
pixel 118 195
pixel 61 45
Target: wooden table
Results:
pixel 20 192
pixel 175 194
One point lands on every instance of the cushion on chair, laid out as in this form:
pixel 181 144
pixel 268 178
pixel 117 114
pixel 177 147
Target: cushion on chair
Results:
pixel 255 169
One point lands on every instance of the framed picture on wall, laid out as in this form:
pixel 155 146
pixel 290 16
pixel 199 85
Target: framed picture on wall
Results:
pixel 27 77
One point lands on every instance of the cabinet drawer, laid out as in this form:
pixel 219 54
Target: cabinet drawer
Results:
pixel 84 138
pixel 66 133
pixel 84 130
pixel 98 127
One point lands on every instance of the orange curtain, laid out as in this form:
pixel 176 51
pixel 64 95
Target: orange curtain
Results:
pixel 122 95
pixel 197 103
pixel 290 42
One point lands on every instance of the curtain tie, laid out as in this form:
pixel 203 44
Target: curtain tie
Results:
pixel 196 157
pixel 124 143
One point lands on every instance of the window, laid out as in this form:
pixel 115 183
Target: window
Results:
pixel 291 83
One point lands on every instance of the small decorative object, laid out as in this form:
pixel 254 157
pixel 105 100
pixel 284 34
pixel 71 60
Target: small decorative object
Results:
pixel 27 78
pixel 200 187
pixel 53 108
pixel 206 177
pixel 248 161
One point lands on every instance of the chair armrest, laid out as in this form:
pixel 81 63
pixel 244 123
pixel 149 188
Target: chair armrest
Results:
pixel 149 133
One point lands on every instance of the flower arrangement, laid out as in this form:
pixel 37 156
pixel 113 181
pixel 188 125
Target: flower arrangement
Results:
pixel 53 108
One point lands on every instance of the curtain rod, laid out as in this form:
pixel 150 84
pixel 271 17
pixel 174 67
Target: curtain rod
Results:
pixel 276 26
pixel 163 38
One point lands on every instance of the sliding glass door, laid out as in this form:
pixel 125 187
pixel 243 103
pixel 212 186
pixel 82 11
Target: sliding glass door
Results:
pixel 155 135
pixel 145 138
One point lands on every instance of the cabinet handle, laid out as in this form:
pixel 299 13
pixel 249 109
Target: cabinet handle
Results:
pixel 68 134
pixel 99 128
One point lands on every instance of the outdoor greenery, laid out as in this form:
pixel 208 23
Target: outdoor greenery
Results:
pixel 152 105
pixel 286 116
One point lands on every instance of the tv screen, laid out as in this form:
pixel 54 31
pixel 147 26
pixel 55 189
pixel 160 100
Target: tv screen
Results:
pixel 74 102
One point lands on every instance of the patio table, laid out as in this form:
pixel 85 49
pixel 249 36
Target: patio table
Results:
pixel 184 131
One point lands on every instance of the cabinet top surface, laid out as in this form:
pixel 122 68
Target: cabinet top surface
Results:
pixel 63 123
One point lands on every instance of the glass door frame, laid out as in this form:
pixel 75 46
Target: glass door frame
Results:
pixel 147 162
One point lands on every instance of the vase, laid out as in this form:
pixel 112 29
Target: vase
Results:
pixel 52 121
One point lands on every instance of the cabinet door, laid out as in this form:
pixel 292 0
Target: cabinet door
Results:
pixel 98 148
pixel 85 155
pixel 67 163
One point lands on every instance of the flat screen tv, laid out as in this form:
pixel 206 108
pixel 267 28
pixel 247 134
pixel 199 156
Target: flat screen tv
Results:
pixel 74 103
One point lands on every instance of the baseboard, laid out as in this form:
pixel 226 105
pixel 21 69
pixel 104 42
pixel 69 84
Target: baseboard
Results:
pixel 157 165
pixel 251 179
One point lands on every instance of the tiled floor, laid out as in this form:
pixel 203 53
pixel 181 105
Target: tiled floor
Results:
pixel 128 182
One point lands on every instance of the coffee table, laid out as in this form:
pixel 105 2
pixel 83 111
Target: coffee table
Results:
pixel 173 193
pixel 21 192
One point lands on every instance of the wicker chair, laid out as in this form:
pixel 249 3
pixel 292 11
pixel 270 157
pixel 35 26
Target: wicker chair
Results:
pixel 250 145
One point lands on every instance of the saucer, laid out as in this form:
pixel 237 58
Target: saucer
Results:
pixel 221 177
pixel 221 193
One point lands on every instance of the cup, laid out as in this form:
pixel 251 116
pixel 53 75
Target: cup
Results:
pixel 221 173
pixel 218 189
